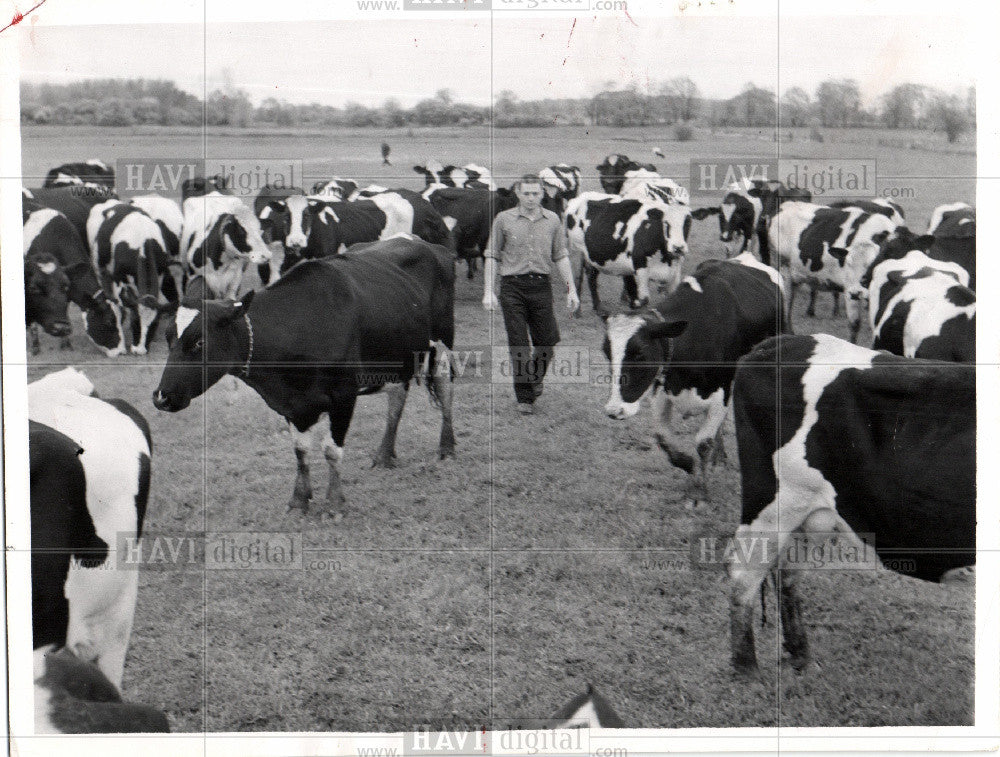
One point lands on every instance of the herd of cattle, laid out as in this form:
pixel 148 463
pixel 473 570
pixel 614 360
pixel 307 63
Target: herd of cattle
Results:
pixel 833 438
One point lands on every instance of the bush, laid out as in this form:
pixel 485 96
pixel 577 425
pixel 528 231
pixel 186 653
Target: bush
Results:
pixel 683 133
pixel 815 135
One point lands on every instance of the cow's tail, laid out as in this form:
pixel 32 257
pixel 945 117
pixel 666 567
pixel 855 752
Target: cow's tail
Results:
pixel 433 365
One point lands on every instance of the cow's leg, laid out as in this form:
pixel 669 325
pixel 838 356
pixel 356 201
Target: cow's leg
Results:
pixel 595 297
pixel 36 343
pixel 719 456
pixel 302 441
pixel 642 286
pixel 630 290
pixel 444 392
pixel 792 629
pixel 147 320
pixel 343 402
pixel 665 437
pixel 811 310
pixel 853 308
pixel 385 457
pixel 836 304
pixel 705 444
pixel 790 287
pixel 65 343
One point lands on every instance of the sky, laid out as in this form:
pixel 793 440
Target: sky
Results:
pixel 367 61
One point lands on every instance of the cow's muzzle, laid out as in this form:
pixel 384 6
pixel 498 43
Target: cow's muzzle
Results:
pixel 168 403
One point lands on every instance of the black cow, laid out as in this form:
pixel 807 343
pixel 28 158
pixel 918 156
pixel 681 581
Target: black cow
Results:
pixel 48 231
pixel 46 295
pixel 836 439
pixel 131 257
pixel 74 696
pixel 687 346
pixel 739 216
pixel 920 307
pixel 640 241
pixel 613 168
pixel 384 305
pixel 92 173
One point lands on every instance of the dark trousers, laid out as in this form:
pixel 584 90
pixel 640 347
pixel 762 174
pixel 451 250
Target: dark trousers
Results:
pixel 526 301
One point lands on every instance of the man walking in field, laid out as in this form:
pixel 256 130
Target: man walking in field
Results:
pixel 525 241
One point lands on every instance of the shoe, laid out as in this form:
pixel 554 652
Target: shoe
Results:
pixel 538 391
pixel 525 408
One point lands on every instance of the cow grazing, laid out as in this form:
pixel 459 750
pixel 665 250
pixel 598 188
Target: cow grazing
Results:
pixel 586 710
pixel 131 257
pixel 613 171
pixel 836 439
pixel 685 351
pixel 891 210
pixel 46 295
pixel 49 232
pixel 469 176
pixel 827 248
pixel 92 173
pixel 200 186
pixel 106 505
pixel 74 696
pixel 628 238
pixel 383 304
pixel 221 239
pixel 920 307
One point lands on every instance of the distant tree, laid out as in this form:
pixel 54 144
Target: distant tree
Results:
pixel 445 95
pixel 901 105
pixel 839 102
pixel 683 100
pixel 796 107
pixel 624 107
pixel 950 113
pixel 392 114
pixel 754 106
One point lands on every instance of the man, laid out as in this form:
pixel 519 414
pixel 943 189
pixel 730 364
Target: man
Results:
pixel 385 154
pixel 526 240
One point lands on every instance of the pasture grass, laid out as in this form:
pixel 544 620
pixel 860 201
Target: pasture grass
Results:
pixel 551 551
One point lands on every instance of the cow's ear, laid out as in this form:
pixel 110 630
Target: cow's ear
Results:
pixel 896 277
pixel 699 214
pixel 665 329
pixel 239 307
pixel 168 308
pixel 924 242
pixel 419 169
pixel 754 192
pixel 504 192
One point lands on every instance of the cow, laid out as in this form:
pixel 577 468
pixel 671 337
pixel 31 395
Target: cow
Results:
pixel 468 214
pixel 740 214
pixel 273 227
pixel 200 186
pixel 891 210
pixel 586 710
pixel 651 187
pixel 827 248
pixel 920 307
pixel 131 257
pixel 561 183
pixel 613 168
pixel 684 352
pixel 384 306
pixel 46 295
pixel 838 440
pixel 628 238
pixel 469 176
pixel 318 228
pixel 92 173
pixel 107 504
pixel 73 202
pixel 74 696
pixel 953 236
pixel 168 216
pixel 335 189
pixel 47 231
pixel 221 239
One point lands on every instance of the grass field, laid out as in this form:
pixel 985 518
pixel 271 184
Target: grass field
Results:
pixel 553 550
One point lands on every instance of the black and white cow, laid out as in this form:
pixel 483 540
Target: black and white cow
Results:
pixel 73 202
pixel 640 241
pixel 836 439
pixel 131 257
pixel 335 189
pixel 829 249
pixel 470 176
pixel 561 183
pixel 86 604
pixel 92 173
pixel 649 186
pixel 613 171
pixel 383 305
pixel 221 239
pixel 953 232
pixel 685 350
pixel 49 232
pixel 46 295
pixel 891 210
pixel 74 696
pixel 168 216
pixel 274 227
pixel 318 228
pixel 740 215
pixel 920 307
pixel 200 186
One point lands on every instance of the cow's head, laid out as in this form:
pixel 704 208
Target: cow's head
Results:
pixel 336 188
pixel 237 235
pixel 46 294
pixel 676 227
pixel 612 171
pixel 212 340
pixel 637 347
pixel 102 322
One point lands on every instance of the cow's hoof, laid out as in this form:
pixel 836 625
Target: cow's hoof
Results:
pixel 799 662
pixel 382 460
pixel 811 312
pixel 137 350
pixel 298 503
pixel 66 344
pixel 36 349
pixel 445 452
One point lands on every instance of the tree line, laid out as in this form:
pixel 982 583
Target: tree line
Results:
pixel 835 103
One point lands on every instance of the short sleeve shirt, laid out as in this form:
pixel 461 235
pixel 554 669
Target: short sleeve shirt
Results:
pixel 526 245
